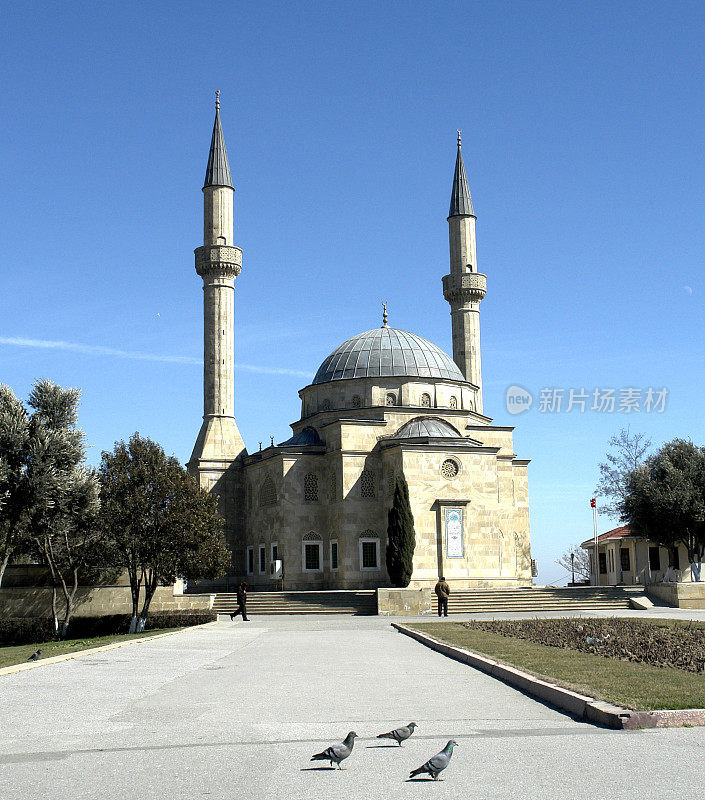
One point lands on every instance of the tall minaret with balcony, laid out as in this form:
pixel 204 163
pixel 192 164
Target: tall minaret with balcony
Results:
pixel 218 262
pixel 464 287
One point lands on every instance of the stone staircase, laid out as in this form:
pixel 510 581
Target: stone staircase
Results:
pixel 488 601
pixel 323 602
pixel 462 601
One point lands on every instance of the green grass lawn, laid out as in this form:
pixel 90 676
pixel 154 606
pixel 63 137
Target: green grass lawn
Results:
pixel 638 686
pixel 19 654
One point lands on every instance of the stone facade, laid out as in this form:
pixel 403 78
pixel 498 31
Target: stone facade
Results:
pixel 386 403
pixel 354 470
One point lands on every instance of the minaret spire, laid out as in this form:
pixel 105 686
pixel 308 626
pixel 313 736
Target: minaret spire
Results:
pixel 218 169
pixel 460 200
pixel 464 287
pixel 219 444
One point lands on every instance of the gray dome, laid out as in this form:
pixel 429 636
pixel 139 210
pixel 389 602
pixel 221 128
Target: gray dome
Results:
pixel 387 352
pixel 427 427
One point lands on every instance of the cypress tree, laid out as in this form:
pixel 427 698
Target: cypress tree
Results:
pixel 401 539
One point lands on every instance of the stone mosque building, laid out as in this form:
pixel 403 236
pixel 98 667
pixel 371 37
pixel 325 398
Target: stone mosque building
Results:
pixel 384 403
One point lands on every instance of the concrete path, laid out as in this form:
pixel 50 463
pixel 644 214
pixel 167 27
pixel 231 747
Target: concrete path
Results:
pixel 235 710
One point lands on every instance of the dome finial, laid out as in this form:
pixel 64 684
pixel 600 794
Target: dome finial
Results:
pixel 217 99
pixel 384 315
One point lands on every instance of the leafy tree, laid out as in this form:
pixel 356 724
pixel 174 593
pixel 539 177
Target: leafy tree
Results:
pixel 580 563
pixel 401 539
pixel 664 499
pixel 160 524
pixel 14 453
pixel 628 452
pixel 62 495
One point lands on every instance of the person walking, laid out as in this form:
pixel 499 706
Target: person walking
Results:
pixel 442 591
pixel 241 602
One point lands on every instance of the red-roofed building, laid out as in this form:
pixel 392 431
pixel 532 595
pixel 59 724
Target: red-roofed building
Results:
pixel 625 559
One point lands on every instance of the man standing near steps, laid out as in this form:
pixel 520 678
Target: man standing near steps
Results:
pixel 442 591
pixel 241 602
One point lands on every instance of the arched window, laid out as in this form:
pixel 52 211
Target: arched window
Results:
pixel 311 488
pixel 357 401
pixel 267 492
pixel 426 400
pixel 453 401
pixel 311 547
pixel 391 399
pixel 325 405
pixel 367 484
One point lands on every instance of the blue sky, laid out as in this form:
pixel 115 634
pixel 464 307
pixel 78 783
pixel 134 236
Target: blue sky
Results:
pixel 583 136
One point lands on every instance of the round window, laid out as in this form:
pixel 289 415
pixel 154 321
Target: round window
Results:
pixel 450 469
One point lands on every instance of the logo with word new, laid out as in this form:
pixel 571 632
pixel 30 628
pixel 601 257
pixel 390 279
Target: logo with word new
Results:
pixel 518 400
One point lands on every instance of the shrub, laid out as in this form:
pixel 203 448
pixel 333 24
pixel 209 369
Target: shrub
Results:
pixel 31 630
pixel 679 644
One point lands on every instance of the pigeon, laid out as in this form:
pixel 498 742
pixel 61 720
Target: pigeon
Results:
pixel 337 752
pixel 399 734
pixel 434 766
pixel 35 655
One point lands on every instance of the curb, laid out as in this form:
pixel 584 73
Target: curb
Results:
pixel 580 706
pixel 89 650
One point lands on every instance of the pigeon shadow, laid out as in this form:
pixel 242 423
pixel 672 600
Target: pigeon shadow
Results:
pixel 318 769
pixel 421 780
pixel 384 746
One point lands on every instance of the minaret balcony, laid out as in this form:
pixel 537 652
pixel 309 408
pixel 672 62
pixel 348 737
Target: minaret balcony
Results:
pixel 468 287
pixel 218 258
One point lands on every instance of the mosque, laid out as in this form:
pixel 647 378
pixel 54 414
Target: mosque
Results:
pixel 386 402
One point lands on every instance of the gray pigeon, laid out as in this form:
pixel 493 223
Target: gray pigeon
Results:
pixel 434 766
pixel 337 752
pixel 399 734
pixel 35 655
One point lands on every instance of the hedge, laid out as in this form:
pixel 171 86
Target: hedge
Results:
pixel 32 630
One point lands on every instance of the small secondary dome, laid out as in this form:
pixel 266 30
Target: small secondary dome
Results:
pixel 427 427
pixel 387 352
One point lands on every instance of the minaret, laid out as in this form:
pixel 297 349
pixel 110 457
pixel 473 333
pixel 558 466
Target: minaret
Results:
pixel 218 262
pixel 464 287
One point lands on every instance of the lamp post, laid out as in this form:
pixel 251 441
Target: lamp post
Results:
pixel 593 505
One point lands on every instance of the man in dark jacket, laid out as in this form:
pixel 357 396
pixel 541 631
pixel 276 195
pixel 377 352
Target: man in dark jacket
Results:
pixel 241 602
pixel 442 591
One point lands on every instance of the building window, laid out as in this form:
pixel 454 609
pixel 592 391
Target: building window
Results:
pixel 624 559
pixel 357 401
pixel 369 551
pixel 450 469
pixel 334 554
pixel 311 488
pixel 262 559
pixel 325 405
pixel 333 488
pixel 275 551
pixel 453 401
pixel 250 560
pixel 654 558
pixel 391 484
pixel 268 492
pixel 426 400
pixel 311 552
pixel 391 399
pixel 603 563
pixel 367 484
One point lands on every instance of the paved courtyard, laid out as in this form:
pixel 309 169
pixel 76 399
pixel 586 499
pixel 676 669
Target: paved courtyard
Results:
pixel 236 710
